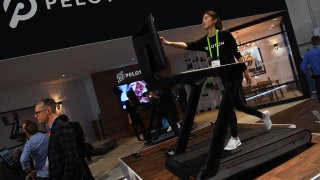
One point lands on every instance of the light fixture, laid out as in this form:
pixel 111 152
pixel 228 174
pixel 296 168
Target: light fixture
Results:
pixel 58 104
pixel 275 46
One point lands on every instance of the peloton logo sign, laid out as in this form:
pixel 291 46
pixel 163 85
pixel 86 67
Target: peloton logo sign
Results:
pixel 17 17
pixel 121 76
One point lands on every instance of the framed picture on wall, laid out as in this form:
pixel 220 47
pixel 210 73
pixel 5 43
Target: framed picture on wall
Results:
pixel 254 60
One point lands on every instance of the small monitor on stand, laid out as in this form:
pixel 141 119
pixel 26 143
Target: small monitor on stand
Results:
pixel 9 159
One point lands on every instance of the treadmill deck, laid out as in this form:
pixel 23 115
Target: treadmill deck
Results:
pixel 150 162
pixel 258 146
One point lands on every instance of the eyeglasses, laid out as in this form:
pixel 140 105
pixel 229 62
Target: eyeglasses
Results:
pixel 38 112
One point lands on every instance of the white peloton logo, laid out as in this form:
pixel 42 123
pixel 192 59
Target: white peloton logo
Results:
pixel 16 17
pixel 121 76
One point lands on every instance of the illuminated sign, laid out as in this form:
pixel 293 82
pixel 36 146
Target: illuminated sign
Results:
pixel 121 76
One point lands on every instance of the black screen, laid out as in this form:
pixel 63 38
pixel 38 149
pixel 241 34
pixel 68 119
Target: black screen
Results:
pixel 148 48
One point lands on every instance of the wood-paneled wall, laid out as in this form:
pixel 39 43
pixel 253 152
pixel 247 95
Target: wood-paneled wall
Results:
pixel 114 118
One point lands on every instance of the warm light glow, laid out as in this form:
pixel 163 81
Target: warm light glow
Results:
pixel 59 104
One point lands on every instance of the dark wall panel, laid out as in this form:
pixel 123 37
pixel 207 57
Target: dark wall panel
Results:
pixel 115 120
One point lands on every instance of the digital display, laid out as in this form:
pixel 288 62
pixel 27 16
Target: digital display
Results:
pixel 138 87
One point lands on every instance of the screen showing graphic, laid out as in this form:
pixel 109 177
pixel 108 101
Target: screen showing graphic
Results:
pixel 138 87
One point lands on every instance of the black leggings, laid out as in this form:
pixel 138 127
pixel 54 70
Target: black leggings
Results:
pixel 235 99
pixel 317 85
pixel 137 122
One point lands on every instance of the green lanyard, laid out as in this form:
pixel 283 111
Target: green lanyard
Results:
pixel 217 47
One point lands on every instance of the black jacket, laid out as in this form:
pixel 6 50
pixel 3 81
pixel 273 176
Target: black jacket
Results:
pixel 64 161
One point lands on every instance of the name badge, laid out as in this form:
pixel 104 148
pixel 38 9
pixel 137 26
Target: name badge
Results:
pixel 215 63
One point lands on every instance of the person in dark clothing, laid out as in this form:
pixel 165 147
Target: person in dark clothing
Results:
pixel 182 97
pixel 63 158
pixel 136 121
pixel 168 109
pixel 222 49
pixel 80 142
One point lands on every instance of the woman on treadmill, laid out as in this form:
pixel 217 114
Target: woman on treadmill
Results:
pixel 222 49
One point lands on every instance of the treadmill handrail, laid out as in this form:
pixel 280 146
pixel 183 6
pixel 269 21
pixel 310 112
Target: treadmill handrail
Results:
pixel 189 77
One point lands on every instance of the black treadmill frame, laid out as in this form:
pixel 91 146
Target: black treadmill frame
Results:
pixel 147 44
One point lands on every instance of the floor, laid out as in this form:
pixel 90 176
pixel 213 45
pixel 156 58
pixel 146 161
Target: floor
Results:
pixel 106 167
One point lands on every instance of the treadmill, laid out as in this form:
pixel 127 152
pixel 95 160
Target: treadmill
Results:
pixel 259 147
pixel 204 163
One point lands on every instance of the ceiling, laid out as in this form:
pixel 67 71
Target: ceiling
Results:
pixel 81 61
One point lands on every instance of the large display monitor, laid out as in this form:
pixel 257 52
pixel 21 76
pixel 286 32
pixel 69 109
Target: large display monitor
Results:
pixel 138 87
pixel 148 48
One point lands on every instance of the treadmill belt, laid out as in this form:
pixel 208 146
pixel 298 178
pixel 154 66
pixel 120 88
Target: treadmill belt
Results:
pixel 258 146
pixel 244 134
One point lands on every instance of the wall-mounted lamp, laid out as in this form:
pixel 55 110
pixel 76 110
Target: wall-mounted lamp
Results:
pixel 275 46
pixel 58 104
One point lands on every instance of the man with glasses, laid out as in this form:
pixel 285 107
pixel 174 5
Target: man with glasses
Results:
pixel 64 163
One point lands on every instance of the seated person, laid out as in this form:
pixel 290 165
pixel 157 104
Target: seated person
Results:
pixel 36 148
